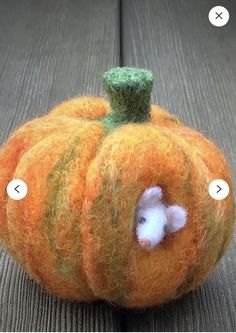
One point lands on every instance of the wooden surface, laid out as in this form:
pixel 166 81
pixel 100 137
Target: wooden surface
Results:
pixel 195 67
pixel 50 50
pixel 54 49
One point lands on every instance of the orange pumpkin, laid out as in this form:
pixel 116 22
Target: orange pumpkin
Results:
pixel 86 164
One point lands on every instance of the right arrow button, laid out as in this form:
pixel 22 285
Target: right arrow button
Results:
pixel 218 189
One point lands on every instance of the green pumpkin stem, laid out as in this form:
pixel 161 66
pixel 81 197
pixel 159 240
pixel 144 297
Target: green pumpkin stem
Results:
pixel 129 92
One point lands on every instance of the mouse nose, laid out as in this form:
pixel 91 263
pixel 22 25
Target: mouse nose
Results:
pixel 145 243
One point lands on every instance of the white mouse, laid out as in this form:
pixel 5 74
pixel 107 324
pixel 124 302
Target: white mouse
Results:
pixel 154 219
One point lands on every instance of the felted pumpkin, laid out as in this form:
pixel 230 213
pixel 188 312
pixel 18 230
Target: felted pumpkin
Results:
pixel 89 166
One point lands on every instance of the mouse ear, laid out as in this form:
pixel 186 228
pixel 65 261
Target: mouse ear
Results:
pixel 150 197
pixel 176 217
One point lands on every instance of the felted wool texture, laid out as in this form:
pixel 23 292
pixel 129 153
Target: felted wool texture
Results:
pixel 129 92
pixel 85 107
pixel 78 237
pixel 182 261
pixel 23 139
pixel 43 229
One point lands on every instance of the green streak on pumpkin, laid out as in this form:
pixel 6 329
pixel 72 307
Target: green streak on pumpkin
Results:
pixel 189 280
pixel 112 247
pixel 56 183
pixel 129 91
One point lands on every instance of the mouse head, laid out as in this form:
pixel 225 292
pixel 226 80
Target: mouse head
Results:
pixel 154 219
pixel 151 218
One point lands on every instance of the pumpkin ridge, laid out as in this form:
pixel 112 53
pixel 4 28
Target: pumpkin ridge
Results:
pixel 87 108
pixel 19 144
pixel 111 269
pixel 56 182
pixel 211 227
pixel 13 206
pixel 48 149
pixel 114 262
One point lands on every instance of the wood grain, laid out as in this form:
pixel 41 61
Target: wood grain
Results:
pixel 50 50
pixel 194 63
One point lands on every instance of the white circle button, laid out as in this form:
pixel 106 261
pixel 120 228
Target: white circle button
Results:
pixel 218 189
pixel 17 189
pixel 218 16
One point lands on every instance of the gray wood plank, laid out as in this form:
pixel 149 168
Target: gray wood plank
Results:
pixel 50 50
pixel 194 63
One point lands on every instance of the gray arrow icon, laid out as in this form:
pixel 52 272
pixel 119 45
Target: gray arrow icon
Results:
pixel 17 188
pixel 219 189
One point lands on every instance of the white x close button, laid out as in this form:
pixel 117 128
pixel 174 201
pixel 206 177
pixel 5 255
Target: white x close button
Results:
pixel 218 16
pixel 17 189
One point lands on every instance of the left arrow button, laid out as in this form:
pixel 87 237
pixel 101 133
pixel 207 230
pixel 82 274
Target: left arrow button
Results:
pixel 17 189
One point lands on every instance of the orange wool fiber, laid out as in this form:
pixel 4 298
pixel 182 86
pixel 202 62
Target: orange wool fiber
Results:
pixel 86 168
pixel 85 107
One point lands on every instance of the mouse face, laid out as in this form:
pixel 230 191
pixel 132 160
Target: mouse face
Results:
pixel 151 224
pixel 154 219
